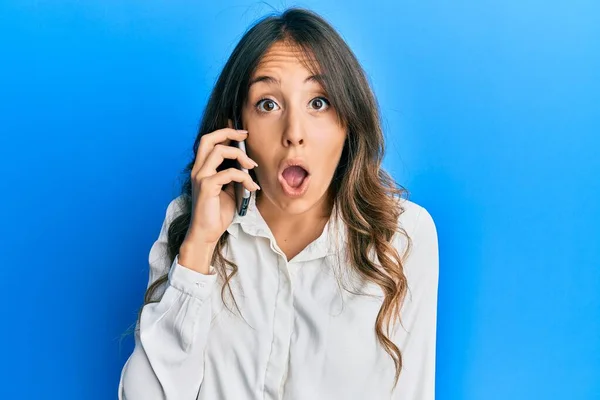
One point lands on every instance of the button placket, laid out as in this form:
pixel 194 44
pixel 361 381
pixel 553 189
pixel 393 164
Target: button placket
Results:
pixel 283 327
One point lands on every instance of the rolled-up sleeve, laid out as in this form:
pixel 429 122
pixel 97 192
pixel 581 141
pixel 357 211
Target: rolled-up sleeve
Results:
pixel 170 337
pixel 419 314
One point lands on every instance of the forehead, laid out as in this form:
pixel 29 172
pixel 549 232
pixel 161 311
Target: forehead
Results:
pixel 284 56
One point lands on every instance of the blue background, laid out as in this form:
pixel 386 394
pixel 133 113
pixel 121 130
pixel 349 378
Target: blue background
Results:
pixel 491 111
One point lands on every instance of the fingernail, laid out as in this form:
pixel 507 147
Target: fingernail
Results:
pixel 254 162
pixel 256 184
pixel 242 130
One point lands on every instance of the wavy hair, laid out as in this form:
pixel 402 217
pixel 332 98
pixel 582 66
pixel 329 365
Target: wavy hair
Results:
pixel 364 194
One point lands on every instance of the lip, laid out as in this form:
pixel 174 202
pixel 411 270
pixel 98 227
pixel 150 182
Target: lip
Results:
pixel 295 161
pixel 294 192
pixel 287 189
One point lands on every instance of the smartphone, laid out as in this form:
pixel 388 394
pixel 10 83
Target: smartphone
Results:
pixel 242 195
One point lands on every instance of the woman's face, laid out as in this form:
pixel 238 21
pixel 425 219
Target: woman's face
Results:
pixel 288 116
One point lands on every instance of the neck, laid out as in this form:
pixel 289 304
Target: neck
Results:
pixel 285 224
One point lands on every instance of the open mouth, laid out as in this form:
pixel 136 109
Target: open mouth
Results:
pixel 294 180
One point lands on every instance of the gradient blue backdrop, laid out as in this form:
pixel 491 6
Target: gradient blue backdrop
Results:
pixel 491 111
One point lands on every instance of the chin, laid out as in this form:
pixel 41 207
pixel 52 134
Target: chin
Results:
pixel 290 205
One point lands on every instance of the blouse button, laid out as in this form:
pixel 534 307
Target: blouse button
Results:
pixel 200 284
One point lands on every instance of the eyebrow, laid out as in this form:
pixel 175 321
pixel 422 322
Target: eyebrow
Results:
pixel 270 80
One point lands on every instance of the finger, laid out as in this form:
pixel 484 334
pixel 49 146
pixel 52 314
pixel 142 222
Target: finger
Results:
pixel 209 140
pixel 214 183
pixel 219 154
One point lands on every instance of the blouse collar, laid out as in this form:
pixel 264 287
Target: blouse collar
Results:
pixel 328 243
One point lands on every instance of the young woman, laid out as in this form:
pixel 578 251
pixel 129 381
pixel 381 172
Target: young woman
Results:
pixel 327 287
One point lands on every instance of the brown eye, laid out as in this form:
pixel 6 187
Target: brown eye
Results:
pixel 319 103
pixel 268 105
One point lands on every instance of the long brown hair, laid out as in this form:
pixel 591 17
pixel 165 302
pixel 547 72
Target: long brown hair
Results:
pixel 365 195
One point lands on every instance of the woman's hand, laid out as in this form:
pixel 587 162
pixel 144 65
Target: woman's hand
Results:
pixel 213 206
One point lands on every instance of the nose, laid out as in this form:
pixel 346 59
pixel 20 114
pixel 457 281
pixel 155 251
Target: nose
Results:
pixel 294 134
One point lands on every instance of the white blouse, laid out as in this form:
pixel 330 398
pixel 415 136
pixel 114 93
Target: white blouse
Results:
pixel 302 336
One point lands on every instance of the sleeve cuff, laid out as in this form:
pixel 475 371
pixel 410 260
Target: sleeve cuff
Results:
pixel 192 282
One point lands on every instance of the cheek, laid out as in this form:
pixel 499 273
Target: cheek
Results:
pixel 255 147
pixel 260 151
pixel 334 144
pixel 331 152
